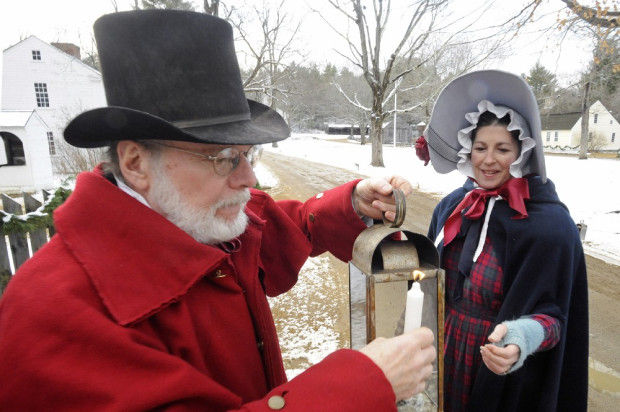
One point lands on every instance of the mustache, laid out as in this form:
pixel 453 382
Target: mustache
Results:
pixel 239 198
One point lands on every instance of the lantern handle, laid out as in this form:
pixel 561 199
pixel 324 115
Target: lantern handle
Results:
pixel 401 208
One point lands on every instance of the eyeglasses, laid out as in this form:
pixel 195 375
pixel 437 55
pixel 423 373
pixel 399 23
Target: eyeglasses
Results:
pixel 225 161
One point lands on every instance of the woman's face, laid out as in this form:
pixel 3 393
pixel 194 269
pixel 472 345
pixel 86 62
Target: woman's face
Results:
pixel 492 153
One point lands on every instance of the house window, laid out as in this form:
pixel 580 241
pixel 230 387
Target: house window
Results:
pixel 50 143
pixel 40 91
pixel 613 137
pixel 36 55
pixel 14 150
pixel 595 117
pixel 589 136
pixel 548 136
pixel 555 136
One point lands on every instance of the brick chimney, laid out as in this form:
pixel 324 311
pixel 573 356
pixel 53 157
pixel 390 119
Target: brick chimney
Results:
pixel 69 48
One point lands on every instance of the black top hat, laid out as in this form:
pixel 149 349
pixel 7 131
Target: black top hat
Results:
pixel 172 75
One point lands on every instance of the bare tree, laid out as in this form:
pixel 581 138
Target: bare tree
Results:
pixel 212 7
pixel 167 4
pixel 267 50
pixel 386 72
pixel 70 160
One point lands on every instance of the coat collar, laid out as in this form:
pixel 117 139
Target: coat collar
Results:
pixel 107 231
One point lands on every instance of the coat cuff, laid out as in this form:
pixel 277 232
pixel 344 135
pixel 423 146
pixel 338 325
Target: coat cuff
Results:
pixel 346 380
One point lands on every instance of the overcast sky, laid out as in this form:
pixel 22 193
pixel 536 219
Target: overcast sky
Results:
pixel 72 20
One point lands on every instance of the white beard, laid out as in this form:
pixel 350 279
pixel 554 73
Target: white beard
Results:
pixel 201 224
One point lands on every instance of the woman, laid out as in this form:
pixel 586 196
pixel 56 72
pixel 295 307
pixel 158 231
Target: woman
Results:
pixel 516 302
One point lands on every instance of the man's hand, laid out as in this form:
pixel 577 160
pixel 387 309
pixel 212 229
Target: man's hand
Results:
pixel 499 360
pixel 406 360
pixel 373 196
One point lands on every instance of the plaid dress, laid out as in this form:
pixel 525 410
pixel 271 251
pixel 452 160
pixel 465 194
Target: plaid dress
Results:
pixel 469 320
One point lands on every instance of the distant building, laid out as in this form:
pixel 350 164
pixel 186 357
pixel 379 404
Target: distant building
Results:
pixel 563 130
pixel 25 160
pixel 341 128
pixel 53 85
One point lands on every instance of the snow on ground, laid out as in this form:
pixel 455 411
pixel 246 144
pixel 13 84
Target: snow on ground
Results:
pixel 305 342
pixel 590 188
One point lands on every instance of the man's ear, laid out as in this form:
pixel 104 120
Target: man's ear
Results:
pixel 135 161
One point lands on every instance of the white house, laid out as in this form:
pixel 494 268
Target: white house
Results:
pixel 25 161
pixel 564 129
pixel 52 81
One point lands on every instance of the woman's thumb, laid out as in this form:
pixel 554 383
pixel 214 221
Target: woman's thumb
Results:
pixel 498 333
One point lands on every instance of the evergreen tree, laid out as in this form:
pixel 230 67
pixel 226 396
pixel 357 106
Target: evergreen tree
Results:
pixel 544 85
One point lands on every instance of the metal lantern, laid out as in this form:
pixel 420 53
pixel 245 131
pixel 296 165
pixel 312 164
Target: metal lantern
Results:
pixel 387 259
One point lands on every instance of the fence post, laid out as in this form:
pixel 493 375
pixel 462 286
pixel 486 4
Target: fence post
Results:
pixel 5 266
pixel 17 241
pixel 37 237
pixel 46 195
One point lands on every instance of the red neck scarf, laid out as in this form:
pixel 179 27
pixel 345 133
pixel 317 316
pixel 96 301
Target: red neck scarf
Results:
pixel 515 191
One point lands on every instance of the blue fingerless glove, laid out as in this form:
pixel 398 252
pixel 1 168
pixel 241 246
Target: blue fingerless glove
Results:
pixel 527 334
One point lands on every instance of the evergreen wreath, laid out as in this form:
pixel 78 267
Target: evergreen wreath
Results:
pixel 40 218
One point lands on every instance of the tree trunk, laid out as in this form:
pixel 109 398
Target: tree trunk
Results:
pixel 585 122
pixel 376 137
pixel 363 132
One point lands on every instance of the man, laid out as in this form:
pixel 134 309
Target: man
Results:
pixel 152 294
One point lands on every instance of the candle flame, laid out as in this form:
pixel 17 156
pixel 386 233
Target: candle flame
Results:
pixel 418 275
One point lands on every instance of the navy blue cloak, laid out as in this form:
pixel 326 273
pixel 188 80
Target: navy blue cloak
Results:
pixel 544 272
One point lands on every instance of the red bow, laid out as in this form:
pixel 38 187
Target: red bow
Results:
pixel 515 191
pixel 421 150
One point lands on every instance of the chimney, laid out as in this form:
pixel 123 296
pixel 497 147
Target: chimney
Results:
pixel 69 48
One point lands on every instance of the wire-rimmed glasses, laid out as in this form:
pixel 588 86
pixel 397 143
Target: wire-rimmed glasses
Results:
pixel 225 161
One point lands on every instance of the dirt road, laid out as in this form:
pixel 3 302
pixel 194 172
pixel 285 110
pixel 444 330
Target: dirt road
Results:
pixel 318 305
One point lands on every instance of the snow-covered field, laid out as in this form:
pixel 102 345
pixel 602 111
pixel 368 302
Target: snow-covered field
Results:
pixel 590 188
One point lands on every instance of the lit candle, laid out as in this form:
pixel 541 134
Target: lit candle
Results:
pixel 413 310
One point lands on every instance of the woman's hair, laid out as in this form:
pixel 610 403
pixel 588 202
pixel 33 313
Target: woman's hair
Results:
pixel 490 119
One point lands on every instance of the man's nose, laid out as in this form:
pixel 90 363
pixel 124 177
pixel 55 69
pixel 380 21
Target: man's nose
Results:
pixel 243 175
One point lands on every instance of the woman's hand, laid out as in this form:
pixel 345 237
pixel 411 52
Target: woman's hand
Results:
pixel 499 360
pixel 373 196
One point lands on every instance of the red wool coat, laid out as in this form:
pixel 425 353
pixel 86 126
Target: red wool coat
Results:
pixel 122 310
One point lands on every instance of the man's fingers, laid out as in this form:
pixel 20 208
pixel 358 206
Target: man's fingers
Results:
pixel 423 335
pixel 401 183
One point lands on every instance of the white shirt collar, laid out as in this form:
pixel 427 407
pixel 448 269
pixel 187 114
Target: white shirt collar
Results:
pixel 123 186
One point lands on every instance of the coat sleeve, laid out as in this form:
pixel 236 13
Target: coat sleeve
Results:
pixel 68 354
pixel 328 220
pixel 295 230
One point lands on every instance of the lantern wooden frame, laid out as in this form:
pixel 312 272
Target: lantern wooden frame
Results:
pixel 387 257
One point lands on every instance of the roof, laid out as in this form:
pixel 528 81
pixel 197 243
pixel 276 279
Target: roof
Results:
pixel 16 118
pixel 56 49
pixel 559 121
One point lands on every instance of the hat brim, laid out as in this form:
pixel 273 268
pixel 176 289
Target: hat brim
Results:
pixel 102 126
pixel 462 96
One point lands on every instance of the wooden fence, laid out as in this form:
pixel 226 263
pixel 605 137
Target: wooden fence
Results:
pixel 18 250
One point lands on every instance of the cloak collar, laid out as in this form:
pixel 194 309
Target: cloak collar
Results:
pixel 137 261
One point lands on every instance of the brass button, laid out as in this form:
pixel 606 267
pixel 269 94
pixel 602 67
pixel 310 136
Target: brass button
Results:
pixel 311 217
pixel 219 274
pixel 276 402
